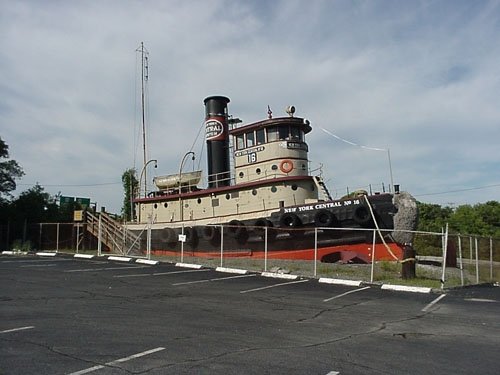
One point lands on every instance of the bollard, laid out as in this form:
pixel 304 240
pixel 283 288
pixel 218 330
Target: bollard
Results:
pixel 408 263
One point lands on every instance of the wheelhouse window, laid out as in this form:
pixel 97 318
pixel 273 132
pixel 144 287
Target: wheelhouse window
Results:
pixel 240 141
pixel 283 131
pixel 250 139
pixel 261 136
pixel 295 133
pixel 272 133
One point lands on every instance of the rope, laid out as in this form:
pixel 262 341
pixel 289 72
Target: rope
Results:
pixel 378 229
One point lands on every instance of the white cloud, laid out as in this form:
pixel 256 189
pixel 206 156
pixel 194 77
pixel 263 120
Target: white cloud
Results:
pixel 419 78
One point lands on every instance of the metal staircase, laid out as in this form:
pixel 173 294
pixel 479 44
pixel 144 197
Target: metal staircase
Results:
pixel 113 234
pixel 323 193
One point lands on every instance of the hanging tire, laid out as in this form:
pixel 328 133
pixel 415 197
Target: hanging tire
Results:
pixel 237 229
pixel 260 230
pixel 362 215
pixel 325 218
pixel 168 236
pixel 290 220
pixel 211 233
pixel 191 236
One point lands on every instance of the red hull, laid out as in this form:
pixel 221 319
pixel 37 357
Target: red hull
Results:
pixel 361 252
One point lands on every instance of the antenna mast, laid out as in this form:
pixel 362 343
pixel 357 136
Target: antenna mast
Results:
pixel 144 79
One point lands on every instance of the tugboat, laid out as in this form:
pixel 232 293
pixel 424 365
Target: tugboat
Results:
pixel 262 200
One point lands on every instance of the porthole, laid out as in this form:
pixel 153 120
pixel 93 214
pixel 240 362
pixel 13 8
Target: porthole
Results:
pixel 258 171
pixel 274 167
pixel 254 192
pixel 241 174
pixel 274 189
pixel 228 196
pixel 165 204
pixel 199 200
pixel 303 167
pixel 155 205
pixel 294 187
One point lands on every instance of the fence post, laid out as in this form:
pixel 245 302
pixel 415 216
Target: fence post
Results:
pixel 315 251
pixel 470 248
pixel 445 249
pixel 491 258
pixel 221 245
pixel 40 240
pixel 77 236
pixel 477 261
pixel 148 239
pixel 57 237
pixel 373 256
pixel 265 248
pixel 460 259
pixel 182 244
pixel 99 236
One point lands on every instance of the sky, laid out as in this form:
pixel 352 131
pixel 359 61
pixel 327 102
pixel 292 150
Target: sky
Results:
pixel 420 79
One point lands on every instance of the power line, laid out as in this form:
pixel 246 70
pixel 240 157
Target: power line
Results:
pixel 72 185
pixel 458 190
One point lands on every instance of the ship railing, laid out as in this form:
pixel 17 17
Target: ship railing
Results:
pixel 112 234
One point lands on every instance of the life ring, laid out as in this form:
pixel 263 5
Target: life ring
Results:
pixel 286 166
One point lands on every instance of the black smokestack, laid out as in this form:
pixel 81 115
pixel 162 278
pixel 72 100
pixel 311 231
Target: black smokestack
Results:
pixel 217 136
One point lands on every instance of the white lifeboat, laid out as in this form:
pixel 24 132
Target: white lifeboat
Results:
pixel 174 180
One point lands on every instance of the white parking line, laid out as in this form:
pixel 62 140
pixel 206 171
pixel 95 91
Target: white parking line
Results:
pixel 161 273
pixel 38 265
pixel 273 286
pixel 125 359
pixel 434 302
pixel 105 269
pixel 35 260
pixel 479 300
pixel 346 293
pixel 216 279
pixel 17 329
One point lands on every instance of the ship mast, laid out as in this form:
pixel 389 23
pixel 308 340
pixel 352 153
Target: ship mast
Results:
pixel 144 79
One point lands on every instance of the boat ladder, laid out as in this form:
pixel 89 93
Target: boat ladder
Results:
pixel 323 193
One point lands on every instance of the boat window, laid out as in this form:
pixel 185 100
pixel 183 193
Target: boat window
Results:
pixel 250 139
pixel 240 141
pixel 283 132
pixel 295 133
pixel 272 134
pixel 261 136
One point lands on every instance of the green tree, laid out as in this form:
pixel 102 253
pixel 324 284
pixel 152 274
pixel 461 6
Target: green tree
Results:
pixel 9 171
pixel 35 206
pixel 130 189
pixel 432 217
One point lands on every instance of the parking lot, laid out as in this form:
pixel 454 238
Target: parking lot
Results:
pixel 62 315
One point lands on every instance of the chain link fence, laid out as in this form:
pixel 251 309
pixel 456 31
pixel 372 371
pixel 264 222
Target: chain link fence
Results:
pixel 442 259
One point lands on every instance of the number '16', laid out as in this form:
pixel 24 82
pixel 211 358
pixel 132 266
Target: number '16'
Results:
pixel 252 158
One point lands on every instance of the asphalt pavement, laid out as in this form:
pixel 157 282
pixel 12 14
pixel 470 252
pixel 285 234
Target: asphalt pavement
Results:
pixel 61 315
